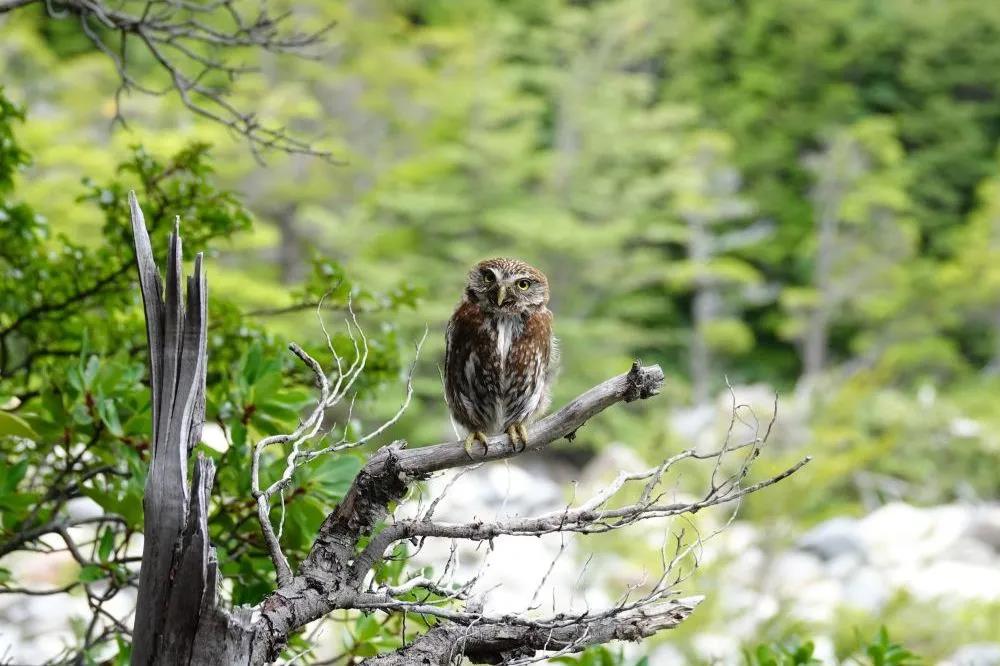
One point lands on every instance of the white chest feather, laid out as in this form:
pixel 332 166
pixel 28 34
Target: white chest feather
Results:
pixel 505 336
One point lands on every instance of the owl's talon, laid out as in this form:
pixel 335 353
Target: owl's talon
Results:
pixel 518 432
pixel 512 433
pixel 523 432
pixel 471 439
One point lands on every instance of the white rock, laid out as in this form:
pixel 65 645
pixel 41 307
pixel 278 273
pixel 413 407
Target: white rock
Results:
pixel 965 428
pixel 83 508
pixel 846 565
pixel 608 463
pixel 667 655
pixel 695 424
pixel 737 541
pixel 867 589
pixel 717 648
pixel 985 527
pixel 900 534
pixel 825 649
pixel 792 569
pixel 818 601
pixel 214 436
pixel 975 654
pixel 948 581
pixel 833 538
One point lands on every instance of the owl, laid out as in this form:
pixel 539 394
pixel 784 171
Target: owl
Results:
pixel 500 354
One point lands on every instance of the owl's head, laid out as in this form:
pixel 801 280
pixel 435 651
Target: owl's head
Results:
pixel 507 286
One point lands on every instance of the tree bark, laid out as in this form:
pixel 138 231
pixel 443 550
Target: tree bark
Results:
pixel 498 643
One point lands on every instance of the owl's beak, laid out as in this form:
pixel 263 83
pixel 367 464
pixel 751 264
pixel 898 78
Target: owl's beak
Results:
pixel 501 294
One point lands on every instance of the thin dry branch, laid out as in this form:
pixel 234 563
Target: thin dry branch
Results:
pixel 337 575
pixel 332 393
pixel 192 42
pixel 494 642
pixel 588 521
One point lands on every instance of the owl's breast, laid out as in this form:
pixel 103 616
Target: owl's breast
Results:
pixel 495 367
pixel 505 331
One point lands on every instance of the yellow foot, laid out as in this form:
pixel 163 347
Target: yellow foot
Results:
pixel 523 432
pixel 518 432
pixel 471 439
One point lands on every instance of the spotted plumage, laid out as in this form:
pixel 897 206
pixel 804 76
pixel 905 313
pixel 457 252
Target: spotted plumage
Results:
pixel 500 353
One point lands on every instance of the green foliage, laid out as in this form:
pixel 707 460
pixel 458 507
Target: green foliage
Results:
pixel 74 412
pixel 796 654
pixel 884 652
pixel 878 651
pixel 12 156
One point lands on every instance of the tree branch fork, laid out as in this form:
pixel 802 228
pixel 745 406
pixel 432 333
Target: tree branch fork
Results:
pixel 180 571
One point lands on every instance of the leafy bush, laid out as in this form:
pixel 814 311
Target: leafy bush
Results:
pixel 878 651
pixel 74 411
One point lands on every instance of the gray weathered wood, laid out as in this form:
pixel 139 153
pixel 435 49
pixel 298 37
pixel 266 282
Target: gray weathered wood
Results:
pixel 492 641
pixel 178 618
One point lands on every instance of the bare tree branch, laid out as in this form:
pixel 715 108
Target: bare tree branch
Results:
pixel 192 42
pixel 8 5
pixel 309 429
pixel 505 643
pixel 334 573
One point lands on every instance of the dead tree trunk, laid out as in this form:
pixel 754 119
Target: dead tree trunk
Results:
pixel 178 620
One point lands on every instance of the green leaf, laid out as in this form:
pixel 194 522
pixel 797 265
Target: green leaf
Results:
pixel 391 569
pixel 106 545
pixel 81 415
pixel 12 425
pixel 366 628
pixel 302 518
pixel 765 656
pixel 90 372
pixel 13 476
pixel 251 365
pixel 109 415
pixel 124 656
pixel 91 573
pixel 330 477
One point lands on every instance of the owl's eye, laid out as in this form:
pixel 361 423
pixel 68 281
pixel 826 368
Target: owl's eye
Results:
pixel 523 284
pixel 488 277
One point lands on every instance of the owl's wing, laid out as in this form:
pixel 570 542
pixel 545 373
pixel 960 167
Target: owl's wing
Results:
pixel 456 345
pixel 459 341
pixel 449 360
pixel 449 331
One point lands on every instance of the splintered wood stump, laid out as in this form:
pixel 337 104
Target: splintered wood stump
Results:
pixel 178 619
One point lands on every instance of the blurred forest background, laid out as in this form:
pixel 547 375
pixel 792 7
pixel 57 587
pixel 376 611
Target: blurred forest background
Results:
pixel 794 196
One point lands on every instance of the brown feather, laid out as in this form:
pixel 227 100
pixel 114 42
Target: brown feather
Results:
pixel 499 356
